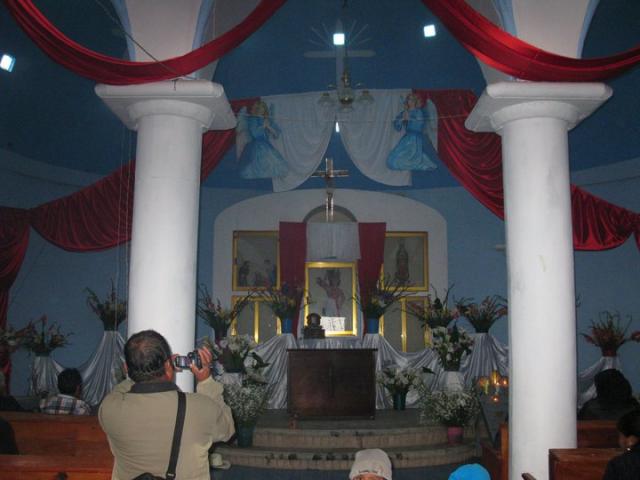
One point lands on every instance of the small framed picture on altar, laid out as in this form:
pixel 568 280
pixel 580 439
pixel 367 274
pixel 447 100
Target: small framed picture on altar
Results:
pixel 406 259
pixel 330 288
pixel 256 262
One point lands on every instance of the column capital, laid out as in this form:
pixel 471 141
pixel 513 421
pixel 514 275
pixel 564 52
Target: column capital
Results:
pixel 505 102
pixel 201 100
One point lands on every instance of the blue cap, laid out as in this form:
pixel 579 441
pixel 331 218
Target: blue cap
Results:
pixel 470 472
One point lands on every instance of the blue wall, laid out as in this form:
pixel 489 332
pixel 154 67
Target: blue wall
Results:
pixel 52 281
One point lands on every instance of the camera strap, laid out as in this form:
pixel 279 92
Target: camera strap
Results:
pixel 177 436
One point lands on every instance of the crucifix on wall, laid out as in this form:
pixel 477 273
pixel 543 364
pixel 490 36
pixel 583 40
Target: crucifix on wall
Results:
pixel 329 174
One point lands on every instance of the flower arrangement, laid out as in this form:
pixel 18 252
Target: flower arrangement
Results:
pixel 484 314
pixel 247 401
pixel 375 301
pixel 398 380
pixel 450 344
pixel 453 409
pixel 112 312
pixel 607 333
pixel 436 313
pixel 283 302
pixel 231 352
pixel 215 315
pixel 43 340
pixel 12 339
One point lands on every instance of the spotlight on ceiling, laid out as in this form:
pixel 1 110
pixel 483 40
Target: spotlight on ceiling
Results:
pixel 429 31
pixel 7 62
pixel 338 38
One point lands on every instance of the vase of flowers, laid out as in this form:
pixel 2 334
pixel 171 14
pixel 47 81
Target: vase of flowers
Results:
pixel 398 382
pixel 232 352
pixel 247 401
pixel 42 338
pixel 608 333
pixel 436 313
pixel 284 303
pixel 484 314
pixel 455 410
pixel 111 311
pixel 216 316
pixel 377 299
pixel 450 344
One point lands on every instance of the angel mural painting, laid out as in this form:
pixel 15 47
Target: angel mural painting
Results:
pixel 258 158
pixel 413 151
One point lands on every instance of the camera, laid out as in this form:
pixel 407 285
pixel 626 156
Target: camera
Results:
pixel 185 361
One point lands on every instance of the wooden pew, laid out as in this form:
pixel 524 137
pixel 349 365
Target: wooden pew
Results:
pixel 579 463
pixel 64 435
pixel 54 467
pixel 53 444
pixel 591 434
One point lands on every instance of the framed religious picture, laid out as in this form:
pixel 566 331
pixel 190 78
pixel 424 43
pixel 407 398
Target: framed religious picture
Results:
pixel 406 259
pixel 256 261
pixel 330 288
pixel 256 320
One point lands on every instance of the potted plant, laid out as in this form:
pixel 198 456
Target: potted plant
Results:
pixel 232 352
pixel 215 315
pixel 284 303
pixel 436 313
pixel 484 314
pixel 450 344
pixel 398 381
pixel 608 334
pixel 111 311
pixel 455 410
pixel 375 301
pixel 247 401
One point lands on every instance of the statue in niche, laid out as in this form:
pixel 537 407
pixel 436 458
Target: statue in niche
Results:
pixel 412 152
pixel 401 274
pixel 259 159
pixel 335 295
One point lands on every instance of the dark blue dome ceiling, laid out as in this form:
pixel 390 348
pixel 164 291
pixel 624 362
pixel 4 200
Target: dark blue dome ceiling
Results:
pixel 53 116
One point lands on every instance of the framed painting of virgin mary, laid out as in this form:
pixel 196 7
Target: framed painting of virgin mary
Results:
pixel 406 259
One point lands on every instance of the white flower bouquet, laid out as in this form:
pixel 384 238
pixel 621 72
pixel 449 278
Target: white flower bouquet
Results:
pixel 398 380
pixel 451 344
pixel 247 401
pixel 453 409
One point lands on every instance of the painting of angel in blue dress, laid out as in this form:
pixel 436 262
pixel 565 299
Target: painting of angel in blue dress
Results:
pixel 259 159
pixel 413 151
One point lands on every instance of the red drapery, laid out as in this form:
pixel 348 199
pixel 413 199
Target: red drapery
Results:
pixel 293 255
pixel 371 258
pixel 115 71
pixel 475 160
pixel 510 55
pixel 94 218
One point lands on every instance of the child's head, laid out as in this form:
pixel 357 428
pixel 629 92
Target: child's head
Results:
pixel 372 464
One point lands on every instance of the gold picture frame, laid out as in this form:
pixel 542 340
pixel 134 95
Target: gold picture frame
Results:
pixel 256 320
pixel 406 259
pixel 412 337
pixel 256 260
pixel 330 291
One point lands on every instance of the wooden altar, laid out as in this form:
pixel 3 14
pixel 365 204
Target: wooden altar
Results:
pixel 331 383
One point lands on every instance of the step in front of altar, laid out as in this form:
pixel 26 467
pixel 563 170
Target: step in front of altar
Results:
pixel 342 459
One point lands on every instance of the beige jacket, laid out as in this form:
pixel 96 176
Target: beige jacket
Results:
pixel 140 426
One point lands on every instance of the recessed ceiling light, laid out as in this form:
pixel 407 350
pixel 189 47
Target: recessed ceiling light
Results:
pixel 429 30
pixel 338 38
pixel 7 62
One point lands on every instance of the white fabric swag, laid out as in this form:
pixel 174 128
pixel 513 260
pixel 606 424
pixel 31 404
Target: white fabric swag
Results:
pixel 337 242
pixel 368 136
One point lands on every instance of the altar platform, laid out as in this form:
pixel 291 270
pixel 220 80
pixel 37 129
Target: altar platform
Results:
pixel 319 444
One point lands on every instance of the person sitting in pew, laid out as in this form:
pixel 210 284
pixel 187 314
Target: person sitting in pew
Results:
pixel 627 465
pixel 69 400
pixel 613 397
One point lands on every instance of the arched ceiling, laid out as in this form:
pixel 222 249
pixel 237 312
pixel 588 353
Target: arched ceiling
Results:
pixel 53 116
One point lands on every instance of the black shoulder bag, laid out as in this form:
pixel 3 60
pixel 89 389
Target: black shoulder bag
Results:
pixel 175 444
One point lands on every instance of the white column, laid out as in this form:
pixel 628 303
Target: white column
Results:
pixel 533 120
pixel 170 118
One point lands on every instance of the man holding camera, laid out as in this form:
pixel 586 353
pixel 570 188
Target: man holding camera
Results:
pixel 139 415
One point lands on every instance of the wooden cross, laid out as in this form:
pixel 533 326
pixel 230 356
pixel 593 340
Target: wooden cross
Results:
pixel 329 174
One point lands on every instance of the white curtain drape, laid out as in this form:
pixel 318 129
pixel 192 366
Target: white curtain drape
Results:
pixel 487 355
pixel 305 133
pixel 338 242
pixel 368 136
